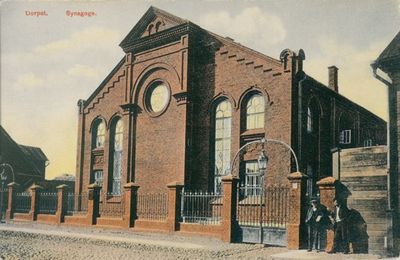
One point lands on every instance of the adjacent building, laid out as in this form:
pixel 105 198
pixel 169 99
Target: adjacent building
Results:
pixel 27 164
pixel 386 68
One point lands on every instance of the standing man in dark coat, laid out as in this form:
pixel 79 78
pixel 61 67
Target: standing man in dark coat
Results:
pixel 339 217
pixel 313 221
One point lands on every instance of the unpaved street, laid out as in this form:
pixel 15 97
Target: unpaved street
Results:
pixel 36 241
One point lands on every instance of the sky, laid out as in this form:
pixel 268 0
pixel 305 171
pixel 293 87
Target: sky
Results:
pixel 50 62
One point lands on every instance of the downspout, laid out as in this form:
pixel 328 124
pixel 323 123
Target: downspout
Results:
pixel 300 121
pixel 389 239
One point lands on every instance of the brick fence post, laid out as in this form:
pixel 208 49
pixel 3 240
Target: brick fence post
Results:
pixel 327 193
pixel 93 203
pixel 229 200
pixel 34 201
pixel 130 199
pixel 12 187
pixel 297 203
pixel 61 203
pixel 174 204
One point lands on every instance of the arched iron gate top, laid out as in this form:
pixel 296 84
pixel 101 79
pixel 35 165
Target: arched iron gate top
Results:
pixel 263 141
pixel 3 166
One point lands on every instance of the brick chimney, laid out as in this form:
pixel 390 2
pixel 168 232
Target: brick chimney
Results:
pixel 333 78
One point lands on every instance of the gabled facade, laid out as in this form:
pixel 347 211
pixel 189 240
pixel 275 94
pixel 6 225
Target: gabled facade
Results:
pixel 183 100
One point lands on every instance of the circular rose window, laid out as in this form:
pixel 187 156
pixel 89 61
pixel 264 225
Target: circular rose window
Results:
pixel 158 97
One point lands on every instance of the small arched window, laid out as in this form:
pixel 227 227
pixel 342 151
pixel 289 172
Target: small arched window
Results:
pixel 116 157
pixel 222 141
pixel 150 29
pixel 98 134
pixel 255 111
pixel 158 25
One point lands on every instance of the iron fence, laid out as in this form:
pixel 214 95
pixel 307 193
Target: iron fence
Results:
pixel 111 205
pixel 77 204
pixel 47 202
pixel 153 206
pixel 3 203
pixel 268 207
pixel 201 207
pixel 22 202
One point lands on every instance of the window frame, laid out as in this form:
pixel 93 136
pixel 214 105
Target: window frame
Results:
pixel 116 152
pixel 256 117
pixel 345 136
pixel 222 137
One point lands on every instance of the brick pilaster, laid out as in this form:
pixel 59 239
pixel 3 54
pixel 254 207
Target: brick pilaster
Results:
pixel 174 204
pixel 12 187
pixel 229 187
pixel 327 193
pixel 93 203
pixel 297 204
pixel 61 203
pixel 130 204
pixel 34 201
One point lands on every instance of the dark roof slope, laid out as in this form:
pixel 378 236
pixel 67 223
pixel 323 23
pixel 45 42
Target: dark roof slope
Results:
pixel 389 59
pixel 29 158
pixel 392 50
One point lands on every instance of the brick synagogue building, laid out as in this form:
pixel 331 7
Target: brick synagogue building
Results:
pixel 183 100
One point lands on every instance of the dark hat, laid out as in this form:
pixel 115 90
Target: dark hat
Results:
pixel 314 200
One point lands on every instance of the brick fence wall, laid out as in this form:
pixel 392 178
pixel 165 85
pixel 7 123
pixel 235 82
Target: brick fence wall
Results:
pixel 167 219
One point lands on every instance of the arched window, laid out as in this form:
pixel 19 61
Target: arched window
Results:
pixel 222 145
pixel 309 120
pixel 98 134
pixel 158 24
pixel 117 130
pixel 255 111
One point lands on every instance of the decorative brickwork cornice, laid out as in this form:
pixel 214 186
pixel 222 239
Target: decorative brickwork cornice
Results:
pixel 181 98
pixel 130 107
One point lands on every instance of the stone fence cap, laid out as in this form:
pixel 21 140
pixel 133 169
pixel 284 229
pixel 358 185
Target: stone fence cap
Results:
pixel 35 187
pixel 296 175
pixel 62 186
pixel 131 185
pixel 93 186
pixel 326 181
pixel 12 184
pixel 174 184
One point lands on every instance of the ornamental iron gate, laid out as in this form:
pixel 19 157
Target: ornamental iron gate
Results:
pixel 262 214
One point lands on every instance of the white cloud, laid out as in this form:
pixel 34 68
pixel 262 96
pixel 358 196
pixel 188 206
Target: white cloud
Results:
pixel 84 71
pixel 253 27
pixel 28 81
pixel 88 38
pixel 356 80
pixel 398 4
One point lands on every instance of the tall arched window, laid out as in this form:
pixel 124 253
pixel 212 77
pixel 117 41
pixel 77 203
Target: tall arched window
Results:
pixel 116 157
pixel 98 134
pixel 255 111
pixel 309 120
pixel 222 159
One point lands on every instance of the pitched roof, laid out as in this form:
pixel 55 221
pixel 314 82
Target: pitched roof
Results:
pixel 392 50
pixel 389 59
pixel 31 156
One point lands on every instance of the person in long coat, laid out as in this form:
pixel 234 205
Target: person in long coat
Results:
pixel 340 218
pixel 314 224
